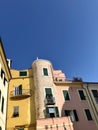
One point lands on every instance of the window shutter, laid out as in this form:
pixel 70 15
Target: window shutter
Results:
pixel 57 112
pixel 66 95
pixel 76 116
pixel 20 89
pixel 47 112
pixel 48 92
pixel 72 115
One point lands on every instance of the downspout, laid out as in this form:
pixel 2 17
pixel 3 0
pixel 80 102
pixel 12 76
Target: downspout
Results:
pixel 91 104
pixel 7 105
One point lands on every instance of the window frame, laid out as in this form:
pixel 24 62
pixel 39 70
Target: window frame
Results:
pixel 18 90
pixel 47 72
pixel 56 112
pixel 73 115
pixel 49 94
pixel 16 111
pixel 22 73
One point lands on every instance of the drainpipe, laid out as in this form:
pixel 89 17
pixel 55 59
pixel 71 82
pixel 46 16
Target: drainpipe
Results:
pixel 95 113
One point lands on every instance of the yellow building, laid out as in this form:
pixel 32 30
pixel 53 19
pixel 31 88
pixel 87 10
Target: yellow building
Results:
pixel 21 109
pixel 5 77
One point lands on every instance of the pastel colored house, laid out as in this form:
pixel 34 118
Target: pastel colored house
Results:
pixel 42 98
pixel 91 89
pixel 5 77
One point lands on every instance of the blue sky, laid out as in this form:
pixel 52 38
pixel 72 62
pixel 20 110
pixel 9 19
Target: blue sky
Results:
pixel 62 31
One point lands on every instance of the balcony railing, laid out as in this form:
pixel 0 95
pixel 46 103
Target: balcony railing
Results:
pixel 20 94
pixel 59 79
pixel 50 101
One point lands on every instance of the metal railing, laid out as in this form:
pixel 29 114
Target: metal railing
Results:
pixel 49 100
pixel 22 93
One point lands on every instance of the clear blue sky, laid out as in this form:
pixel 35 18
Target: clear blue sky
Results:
pixel 62 31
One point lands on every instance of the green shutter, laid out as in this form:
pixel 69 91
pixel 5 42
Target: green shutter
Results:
pixel 66 95
pixel 81 93
pixel 23 73
pixel 48 92
pixel 47 112
pixel 76 116
pixel 88 114
pixel 45 71
pixel 72 115
pixel 57 112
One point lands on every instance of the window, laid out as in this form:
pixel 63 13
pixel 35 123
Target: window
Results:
pixel 48 92
pixel 4 81
pixel 2 106
pixel 81 94
pixel 18 90
pixel 49 97
pixel 73 115
pixel 16 111
pixel 88 114
pixel 20 128
pixel 45 71
pixel 95 94
pixel 2 73
pixel 66 95
pixel 52 112
pixel 23 73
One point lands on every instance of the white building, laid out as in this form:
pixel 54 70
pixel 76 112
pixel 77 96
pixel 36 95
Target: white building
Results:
pixel 5 77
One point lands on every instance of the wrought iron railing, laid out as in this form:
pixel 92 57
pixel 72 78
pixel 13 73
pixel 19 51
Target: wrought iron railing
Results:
pixel 49 100
pixel 22 93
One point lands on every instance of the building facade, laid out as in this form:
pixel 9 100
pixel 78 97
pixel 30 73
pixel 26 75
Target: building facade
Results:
pixel 21 104
pixel 41 98
pixel 5 77
pixel 91 90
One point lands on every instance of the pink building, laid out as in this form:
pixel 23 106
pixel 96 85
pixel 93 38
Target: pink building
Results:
pixel 60 104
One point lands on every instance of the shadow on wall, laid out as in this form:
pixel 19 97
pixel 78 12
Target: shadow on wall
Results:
pixel 68 110
pixel 32 105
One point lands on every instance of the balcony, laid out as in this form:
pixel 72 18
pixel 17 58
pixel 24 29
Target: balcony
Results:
pixel 20 94
pixel 61 123
pixel 59 79
pixel 50 101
